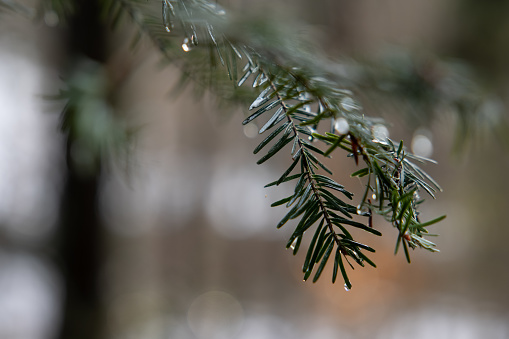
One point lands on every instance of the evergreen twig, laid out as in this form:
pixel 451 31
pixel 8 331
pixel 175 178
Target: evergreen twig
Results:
pixel 299 93
pixel 299 98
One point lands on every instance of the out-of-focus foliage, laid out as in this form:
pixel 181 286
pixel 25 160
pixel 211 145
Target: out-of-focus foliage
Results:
pixel 89 119
pixel 17 7
pixel 423 88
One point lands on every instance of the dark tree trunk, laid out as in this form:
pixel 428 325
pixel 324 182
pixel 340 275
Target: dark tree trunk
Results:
pixel 80 237
pixel 81 257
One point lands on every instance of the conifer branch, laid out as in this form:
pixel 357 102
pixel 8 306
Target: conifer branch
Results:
pixel 299 95
pixel 313 188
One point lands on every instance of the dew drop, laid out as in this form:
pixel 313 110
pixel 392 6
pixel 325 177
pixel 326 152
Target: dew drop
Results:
pixel 342 126
pixel 362 210
pixel 185 45
pixel 346 288
pixel 194 40
pixel 374 196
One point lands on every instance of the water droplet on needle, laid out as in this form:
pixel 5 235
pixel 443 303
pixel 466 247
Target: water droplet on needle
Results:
pixel 185 45
pixel 341 125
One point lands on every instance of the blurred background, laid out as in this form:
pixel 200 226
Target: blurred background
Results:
pixel 177 238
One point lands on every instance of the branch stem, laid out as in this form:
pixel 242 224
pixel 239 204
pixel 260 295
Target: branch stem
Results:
pixel 306 164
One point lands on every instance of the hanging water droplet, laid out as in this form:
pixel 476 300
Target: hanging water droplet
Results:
pixel 374 196
pixel 311 131
pixel 341 125
pixel 194 39
pixel 362 210
pixel 346 288
pixel 185 45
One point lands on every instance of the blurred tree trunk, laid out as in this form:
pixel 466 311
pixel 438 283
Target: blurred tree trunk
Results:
pixel 80 234
pixel 81 256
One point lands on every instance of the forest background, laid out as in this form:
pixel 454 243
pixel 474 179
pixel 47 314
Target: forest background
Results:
pixel 178 262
